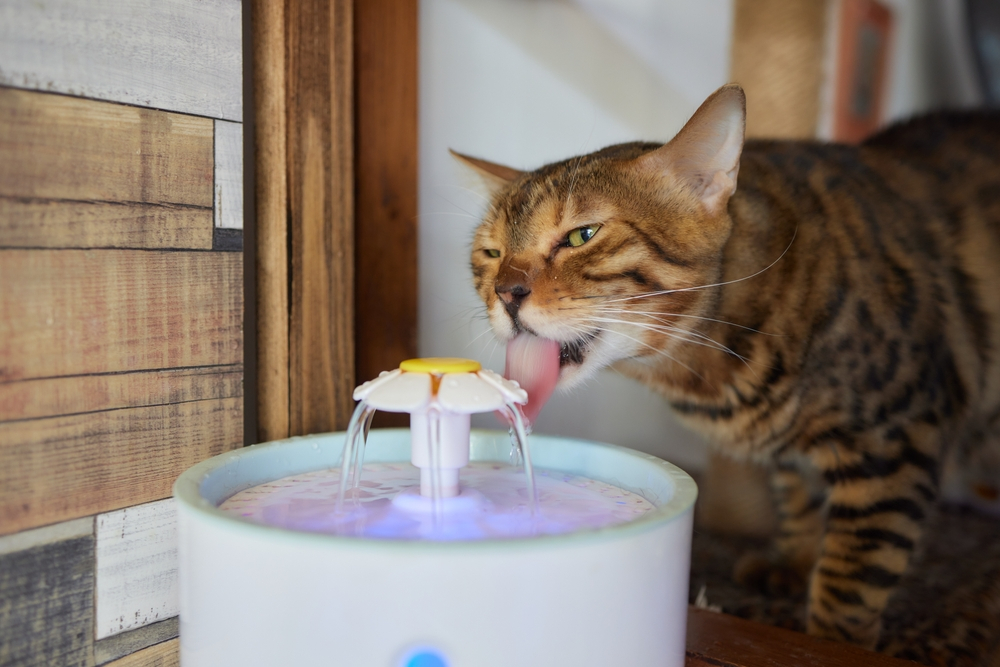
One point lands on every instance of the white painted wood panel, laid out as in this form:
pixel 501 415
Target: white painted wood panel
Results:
pixel 228 174
pixel 179 55
pixel 136 567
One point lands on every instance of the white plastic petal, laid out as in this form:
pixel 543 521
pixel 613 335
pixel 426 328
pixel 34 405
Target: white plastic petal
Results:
pixel 405 392
pixel 511 390
pixel 362 391
pixel 467 393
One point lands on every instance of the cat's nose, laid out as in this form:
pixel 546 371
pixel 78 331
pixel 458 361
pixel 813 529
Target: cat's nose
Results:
pixel 512 296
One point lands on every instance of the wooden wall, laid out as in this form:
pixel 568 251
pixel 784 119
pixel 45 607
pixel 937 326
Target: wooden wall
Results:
pixel 121 311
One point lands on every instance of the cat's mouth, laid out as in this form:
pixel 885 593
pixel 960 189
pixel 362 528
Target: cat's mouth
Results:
pixel 573 352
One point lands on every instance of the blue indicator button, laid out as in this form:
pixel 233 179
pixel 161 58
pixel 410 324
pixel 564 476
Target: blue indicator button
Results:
pixel 425 658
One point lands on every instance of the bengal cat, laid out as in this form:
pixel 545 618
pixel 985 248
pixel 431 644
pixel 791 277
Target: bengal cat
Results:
pixel 831 311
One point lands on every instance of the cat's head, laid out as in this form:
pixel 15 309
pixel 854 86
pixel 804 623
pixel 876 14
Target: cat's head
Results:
pixel 600 252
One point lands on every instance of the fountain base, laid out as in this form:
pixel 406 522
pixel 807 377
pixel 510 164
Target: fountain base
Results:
pixel 254 594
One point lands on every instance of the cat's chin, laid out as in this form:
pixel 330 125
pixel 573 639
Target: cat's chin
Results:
pixel 576 361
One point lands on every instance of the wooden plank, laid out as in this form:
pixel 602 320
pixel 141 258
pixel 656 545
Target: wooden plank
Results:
pixel 271 217
pixel 166 654
pixel 180 55
pixel 125 643
pixel 228 175
pixel 51 397
pixel 53 223
pixel 47 599
pixel 136 567
pixel 57 147
pixel 721 640
pixel 65 467
pixel 75 312
pixel 321 214
pixel 386 58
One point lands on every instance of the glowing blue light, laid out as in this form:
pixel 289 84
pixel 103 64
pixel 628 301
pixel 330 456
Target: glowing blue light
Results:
pixel 426 658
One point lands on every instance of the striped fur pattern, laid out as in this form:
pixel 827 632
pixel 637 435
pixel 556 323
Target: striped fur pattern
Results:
pixel 835 316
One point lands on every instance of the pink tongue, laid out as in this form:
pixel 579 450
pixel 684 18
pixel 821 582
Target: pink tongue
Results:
pixel 534 363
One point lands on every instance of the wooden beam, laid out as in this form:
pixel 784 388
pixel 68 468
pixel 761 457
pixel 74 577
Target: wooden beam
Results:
pixel 386 59
pixel 305 211
pixel 321 215
pixel 271 217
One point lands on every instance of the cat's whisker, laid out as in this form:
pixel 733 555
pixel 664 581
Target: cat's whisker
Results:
pixel 684 336
pixel 699 287
pixel 697 317
pixel 600 329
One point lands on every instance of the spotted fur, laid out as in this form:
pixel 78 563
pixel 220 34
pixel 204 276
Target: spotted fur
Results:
pixel 835 315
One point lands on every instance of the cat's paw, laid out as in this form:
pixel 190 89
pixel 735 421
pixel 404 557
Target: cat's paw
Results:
pixel 771 574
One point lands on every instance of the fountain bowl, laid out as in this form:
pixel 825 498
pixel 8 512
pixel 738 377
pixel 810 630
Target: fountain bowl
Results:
pixel 253 594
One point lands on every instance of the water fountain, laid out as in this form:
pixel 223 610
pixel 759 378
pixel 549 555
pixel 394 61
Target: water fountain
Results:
pixel 333 550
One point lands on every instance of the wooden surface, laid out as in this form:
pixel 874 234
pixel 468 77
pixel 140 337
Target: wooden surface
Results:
pixel 64 467
pixel 63 148
pixel 160 655
pixel 47 599
pixel 180 55
pixel 321 214
pixel 136 572
pixel 271 218
pixel 74 312
pixel 386 57
pixel 55 396
pixel 126 643
pixel 83 174
pixel 719 640
pixel 777 56
pixel 228 175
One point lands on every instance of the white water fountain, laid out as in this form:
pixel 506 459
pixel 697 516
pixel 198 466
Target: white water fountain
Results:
pixel 324 550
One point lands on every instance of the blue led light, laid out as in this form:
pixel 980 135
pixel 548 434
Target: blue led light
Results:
pixel 425 658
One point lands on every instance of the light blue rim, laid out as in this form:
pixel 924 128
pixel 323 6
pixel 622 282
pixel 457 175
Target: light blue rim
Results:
pixel 201 488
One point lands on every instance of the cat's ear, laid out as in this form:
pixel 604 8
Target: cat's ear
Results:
pixel 494 176
pixel 706 152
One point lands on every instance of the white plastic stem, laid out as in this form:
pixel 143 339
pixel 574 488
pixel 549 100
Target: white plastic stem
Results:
pixel 453 452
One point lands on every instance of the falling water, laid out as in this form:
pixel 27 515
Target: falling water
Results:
pixel 354 445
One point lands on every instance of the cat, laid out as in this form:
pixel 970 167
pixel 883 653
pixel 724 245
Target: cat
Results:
pixel 830 311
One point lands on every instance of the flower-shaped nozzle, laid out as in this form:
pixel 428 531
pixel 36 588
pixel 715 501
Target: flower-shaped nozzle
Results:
pixel 440 394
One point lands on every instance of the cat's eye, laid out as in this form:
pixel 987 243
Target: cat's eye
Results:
pixel 492 252
pixel 581 235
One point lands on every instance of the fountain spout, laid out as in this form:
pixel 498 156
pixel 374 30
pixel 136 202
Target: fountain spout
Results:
pixel 440 394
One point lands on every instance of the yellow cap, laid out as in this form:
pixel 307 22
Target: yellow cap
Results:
pixel 440 365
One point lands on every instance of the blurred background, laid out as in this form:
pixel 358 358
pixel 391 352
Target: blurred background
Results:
pixel 526 82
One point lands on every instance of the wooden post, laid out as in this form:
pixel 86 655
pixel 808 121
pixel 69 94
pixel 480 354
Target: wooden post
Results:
pixel 385 69
pixel 271 204
pixel 303 55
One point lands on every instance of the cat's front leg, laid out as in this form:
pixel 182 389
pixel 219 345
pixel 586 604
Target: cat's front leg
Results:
pixel 798 497
pixel 878 500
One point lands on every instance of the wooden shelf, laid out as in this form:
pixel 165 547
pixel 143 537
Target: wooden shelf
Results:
pixel 720 640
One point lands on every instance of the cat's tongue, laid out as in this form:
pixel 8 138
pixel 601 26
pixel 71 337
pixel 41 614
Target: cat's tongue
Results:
pixel 534 363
